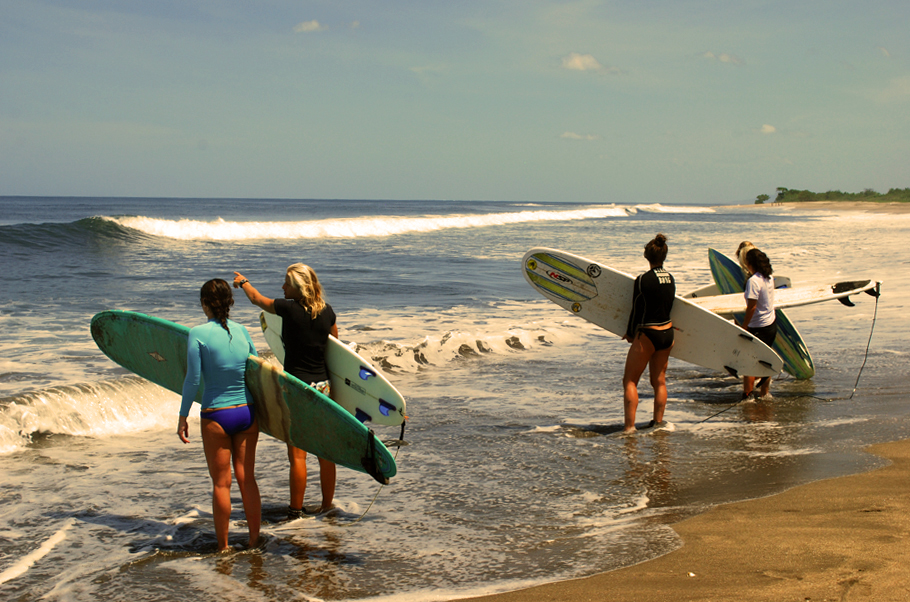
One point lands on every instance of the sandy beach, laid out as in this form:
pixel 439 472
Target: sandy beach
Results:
pixel 846 206
pixel 841 539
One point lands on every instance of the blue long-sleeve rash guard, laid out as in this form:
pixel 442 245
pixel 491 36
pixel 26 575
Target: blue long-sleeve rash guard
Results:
pixel 221 360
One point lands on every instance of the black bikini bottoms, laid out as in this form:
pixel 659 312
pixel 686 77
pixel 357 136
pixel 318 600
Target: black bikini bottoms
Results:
pixel 661 339
pixel 765 334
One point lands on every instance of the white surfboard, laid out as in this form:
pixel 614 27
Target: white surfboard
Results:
pixel 712 290
pixel 727 305
pixel 356 385
pixel 603 296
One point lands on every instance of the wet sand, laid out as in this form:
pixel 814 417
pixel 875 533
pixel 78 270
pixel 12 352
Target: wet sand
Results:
pixel 841 539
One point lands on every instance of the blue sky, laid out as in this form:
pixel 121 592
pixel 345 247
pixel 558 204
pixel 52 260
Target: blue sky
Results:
pixel 668 101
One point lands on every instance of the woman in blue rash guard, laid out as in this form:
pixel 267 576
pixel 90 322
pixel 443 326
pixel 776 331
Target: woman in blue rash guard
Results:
pixel 307 322
pixel 651 333
pixel 217 351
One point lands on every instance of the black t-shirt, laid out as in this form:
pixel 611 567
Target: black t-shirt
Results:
pixel 652 300
pixel 305 339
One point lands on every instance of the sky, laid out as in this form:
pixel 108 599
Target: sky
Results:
pixel 632 101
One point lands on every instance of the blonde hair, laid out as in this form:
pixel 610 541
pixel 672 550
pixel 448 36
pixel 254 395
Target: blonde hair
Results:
pixel 744 248
pixel 304 280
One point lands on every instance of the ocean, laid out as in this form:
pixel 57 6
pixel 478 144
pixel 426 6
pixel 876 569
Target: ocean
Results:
pixel 513 475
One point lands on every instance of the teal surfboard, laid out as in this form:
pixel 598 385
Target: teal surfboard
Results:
pixel 789 345
pixel 286 408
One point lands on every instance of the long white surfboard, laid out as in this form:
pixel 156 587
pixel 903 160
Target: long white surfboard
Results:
pixel 356 385
pixel 727 305
pixel 603 296
pixel 712 290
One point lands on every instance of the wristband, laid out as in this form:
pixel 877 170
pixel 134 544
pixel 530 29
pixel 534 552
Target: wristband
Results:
pixel 242 282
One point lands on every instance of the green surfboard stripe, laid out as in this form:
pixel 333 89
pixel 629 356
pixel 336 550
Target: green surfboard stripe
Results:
pixel 567 268
pixel 556 289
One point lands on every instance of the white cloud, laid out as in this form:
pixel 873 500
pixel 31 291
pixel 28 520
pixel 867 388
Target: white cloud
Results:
pixel 574 136
pixel 309 26
pixel 723 57
pixel 768 129
pixel 898 90
pixel 581 62
pixel 586 62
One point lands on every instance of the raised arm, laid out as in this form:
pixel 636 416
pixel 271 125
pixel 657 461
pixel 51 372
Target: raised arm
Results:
pixel 255 297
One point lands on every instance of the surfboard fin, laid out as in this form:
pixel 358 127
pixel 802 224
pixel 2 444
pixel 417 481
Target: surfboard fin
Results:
pixel 385 408
pixel 842 287
pixel 846 301
pixel 369 461
pixel 732 372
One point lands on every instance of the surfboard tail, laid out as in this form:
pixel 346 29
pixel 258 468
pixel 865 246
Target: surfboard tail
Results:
pixel 370 462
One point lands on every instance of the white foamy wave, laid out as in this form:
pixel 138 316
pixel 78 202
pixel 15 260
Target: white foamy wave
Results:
pixel 457 345
pixel 351 227
pixel 111 407
pixel 658 208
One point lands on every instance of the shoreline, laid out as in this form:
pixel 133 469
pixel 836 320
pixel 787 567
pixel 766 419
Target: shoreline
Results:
pixel 842 538
pixel 867 206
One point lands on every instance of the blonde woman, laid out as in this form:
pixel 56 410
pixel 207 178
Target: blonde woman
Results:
pixel 307 322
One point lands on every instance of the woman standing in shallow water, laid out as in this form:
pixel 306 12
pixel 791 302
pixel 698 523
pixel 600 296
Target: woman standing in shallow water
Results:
pixel 217 352
pixel 760 318
pixel 307 322
pixel 650 331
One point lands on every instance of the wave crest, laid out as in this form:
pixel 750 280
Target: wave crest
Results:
pixel 108 407
pixel 349 227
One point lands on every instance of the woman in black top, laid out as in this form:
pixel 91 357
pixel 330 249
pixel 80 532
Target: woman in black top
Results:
pixel 651 333
pixel 307 321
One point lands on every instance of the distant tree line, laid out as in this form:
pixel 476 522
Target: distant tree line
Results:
pixel 786 195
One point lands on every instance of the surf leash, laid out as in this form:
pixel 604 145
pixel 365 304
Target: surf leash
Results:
pixel 398 443
pixel 719 413
pixel 877 294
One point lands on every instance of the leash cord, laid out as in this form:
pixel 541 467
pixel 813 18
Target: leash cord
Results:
pixel 868 344
pixel 360 518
